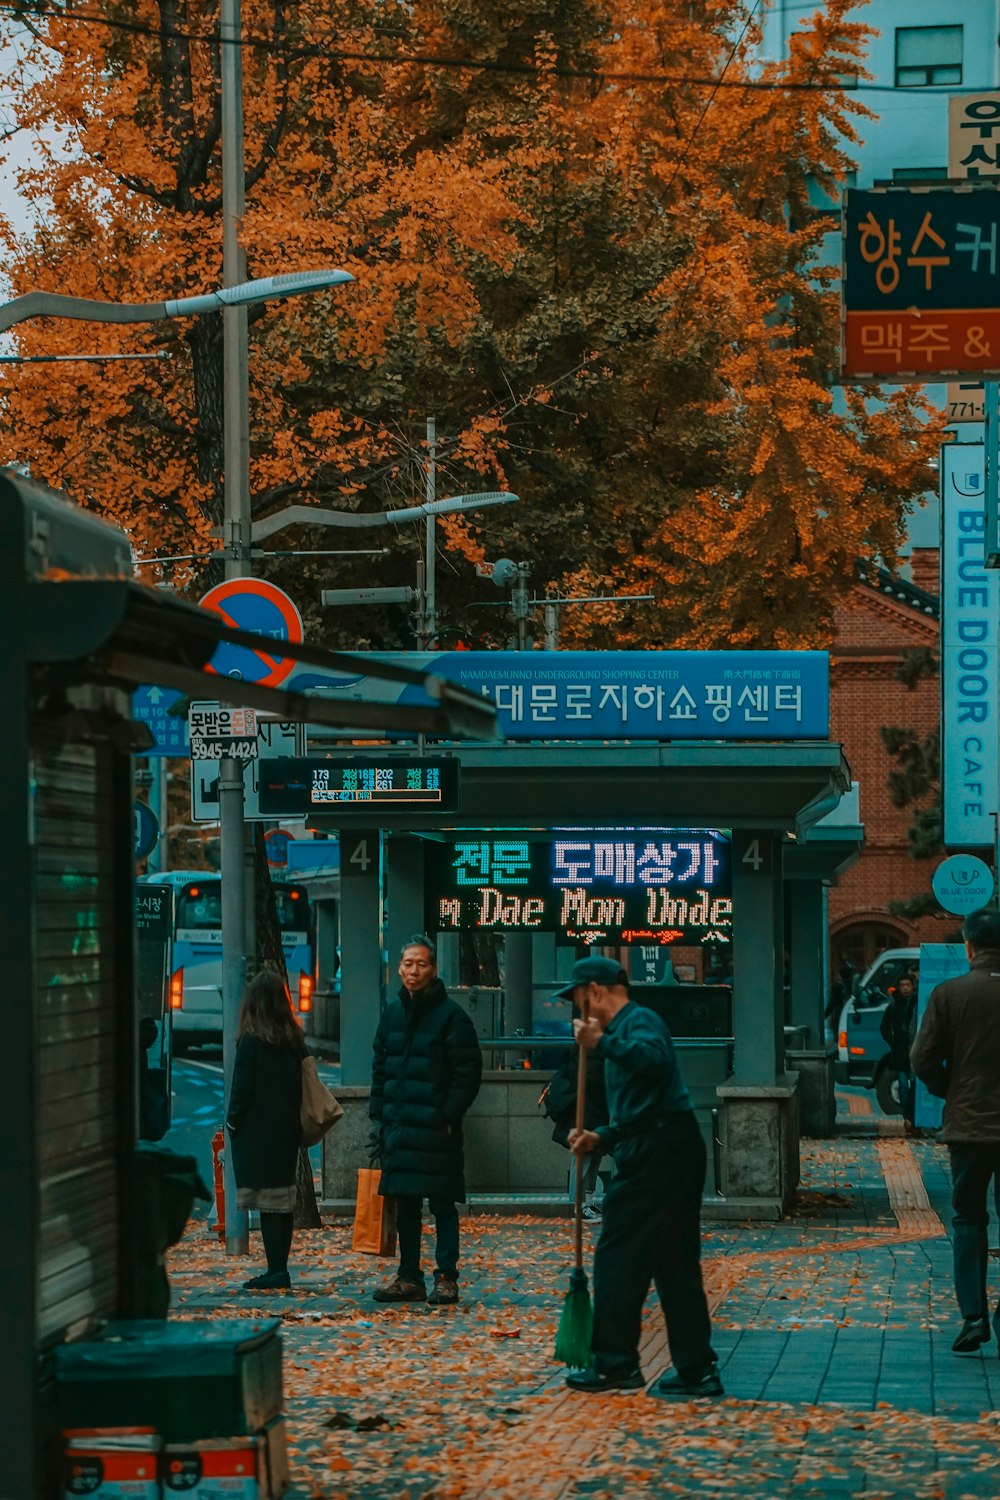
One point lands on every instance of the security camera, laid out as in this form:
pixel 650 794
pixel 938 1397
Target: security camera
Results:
pixel 504 573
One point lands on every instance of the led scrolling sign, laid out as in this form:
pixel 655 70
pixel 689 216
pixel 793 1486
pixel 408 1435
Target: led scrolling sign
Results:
pixel 659 887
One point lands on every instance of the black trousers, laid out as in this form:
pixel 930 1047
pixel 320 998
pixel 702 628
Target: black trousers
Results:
pixel 409 1226
pixel 652 1233
pixel 973 1168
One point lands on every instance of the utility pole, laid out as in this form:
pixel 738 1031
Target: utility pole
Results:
pixel 430 541
pixel 520 604
pixel 237 538
pixel 233 967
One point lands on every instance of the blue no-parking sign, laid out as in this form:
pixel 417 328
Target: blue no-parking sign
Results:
pixel 253 604
pixel 145 830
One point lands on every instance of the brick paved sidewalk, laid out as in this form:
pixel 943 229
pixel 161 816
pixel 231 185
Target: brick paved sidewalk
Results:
pixel 833 1329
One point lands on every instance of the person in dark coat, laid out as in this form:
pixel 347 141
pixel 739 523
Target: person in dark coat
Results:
pixel 898 1028
pixel 559 1102
pixel 652 1209
pixel 264 1119
pixel 426 1071
pixel 957 1055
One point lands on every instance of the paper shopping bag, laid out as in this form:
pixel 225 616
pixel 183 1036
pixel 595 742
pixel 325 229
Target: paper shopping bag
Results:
pixel 374 1217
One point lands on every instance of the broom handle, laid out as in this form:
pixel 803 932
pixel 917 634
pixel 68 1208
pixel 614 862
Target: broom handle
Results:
pixel 581 1095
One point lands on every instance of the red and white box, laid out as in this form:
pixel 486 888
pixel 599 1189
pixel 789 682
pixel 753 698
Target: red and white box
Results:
pixel 111 1463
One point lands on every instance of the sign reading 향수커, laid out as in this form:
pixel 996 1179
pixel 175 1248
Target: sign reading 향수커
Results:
pixel 920 283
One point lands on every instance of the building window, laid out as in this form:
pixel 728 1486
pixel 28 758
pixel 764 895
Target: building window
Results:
pixel 928 55
pixel 920 174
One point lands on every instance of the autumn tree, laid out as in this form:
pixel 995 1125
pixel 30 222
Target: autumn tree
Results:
pixel 584 238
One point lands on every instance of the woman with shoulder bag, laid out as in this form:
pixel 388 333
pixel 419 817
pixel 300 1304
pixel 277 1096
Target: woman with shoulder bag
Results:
pixel 264 1120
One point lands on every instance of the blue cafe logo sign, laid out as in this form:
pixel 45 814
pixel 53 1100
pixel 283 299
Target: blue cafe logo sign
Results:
pixel 962 884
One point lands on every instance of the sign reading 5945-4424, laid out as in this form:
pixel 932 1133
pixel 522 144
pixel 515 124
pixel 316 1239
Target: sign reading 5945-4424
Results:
pixel 920 287
pixel 217 730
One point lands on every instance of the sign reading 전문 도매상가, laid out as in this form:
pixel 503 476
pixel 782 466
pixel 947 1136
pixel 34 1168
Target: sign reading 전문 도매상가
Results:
pixel 651 886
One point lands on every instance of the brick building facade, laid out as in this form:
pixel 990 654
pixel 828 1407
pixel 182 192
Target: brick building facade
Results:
pixel 882 619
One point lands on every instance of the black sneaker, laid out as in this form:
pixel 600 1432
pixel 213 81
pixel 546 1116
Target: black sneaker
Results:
pixel 973 1333
pixel 271 1281
pixel 401 1290
pixel 445 1293
pixel 596 1380
pixel 677 1388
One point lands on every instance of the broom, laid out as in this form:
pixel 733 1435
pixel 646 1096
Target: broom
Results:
pixel 577 1320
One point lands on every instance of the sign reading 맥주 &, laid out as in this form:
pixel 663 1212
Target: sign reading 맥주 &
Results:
pixel 970 620
pixel 920 283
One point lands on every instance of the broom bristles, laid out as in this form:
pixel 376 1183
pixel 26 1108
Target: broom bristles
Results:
pixel 576 1324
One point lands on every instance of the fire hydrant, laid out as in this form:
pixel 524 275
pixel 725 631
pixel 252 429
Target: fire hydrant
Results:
pixel 218 1167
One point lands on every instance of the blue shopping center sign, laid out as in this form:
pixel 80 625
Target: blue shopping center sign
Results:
pixel 625 695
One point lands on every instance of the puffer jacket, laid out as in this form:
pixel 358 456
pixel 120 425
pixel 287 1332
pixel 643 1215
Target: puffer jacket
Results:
pixel 426 1071
pixel 957 1050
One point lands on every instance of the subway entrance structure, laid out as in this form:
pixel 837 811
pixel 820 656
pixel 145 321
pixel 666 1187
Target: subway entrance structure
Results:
pixel 770 778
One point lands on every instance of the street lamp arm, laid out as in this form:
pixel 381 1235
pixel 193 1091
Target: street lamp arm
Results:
pixel 55 305
pixel 246 293
pixel 313 515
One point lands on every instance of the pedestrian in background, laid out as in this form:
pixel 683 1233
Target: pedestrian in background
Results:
pixel 898 1028
pixel 264 1119
pixel 559 1102
pixel 652 1208
pixel 957 1055
pixel 426 1071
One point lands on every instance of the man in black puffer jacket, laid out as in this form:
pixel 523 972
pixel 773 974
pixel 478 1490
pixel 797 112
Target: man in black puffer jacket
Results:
pixel 426 1071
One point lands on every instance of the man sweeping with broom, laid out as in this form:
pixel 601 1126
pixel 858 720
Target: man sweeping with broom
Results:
pixel 651 1229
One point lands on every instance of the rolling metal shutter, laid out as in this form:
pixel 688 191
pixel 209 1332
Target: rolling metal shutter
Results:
pixel 77 1035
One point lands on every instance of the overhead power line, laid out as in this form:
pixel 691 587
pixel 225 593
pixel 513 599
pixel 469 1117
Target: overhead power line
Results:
pixel 291 52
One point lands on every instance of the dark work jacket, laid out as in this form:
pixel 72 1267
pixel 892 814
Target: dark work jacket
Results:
pixel 641 1075
pixel 957 1050
pixel 265 1103
pixel 426 1071
pixel 560 1096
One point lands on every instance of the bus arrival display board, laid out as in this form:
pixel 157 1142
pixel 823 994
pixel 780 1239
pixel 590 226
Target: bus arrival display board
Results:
pixel 649 886
pixel 295 786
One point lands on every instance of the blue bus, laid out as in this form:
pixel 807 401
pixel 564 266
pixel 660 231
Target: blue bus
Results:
pixel 195 987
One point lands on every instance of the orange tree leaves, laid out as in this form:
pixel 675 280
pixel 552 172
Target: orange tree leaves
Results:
pixel 611 292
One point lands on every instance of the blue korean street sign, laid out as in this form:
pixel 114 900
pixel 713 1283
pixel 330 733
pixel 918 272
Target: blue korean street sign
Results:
pixel 151 706
pixel 623 695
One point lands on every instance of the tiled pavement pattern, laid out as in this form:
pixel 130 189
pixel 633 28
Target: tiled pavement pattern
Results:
pixel 833 1329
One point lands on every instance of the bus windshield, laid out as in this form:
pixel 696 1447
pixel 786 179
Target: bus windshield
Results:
pixel 199 905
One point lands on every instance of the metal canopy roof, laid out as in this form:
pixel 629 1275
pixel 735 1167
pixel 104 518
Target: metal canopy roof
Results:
pixel 65 585
pixel 692 784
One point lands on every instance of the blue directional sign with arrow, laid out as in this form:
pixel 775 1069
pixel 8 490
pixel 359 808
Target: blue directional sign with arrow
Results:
pixel 151 706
